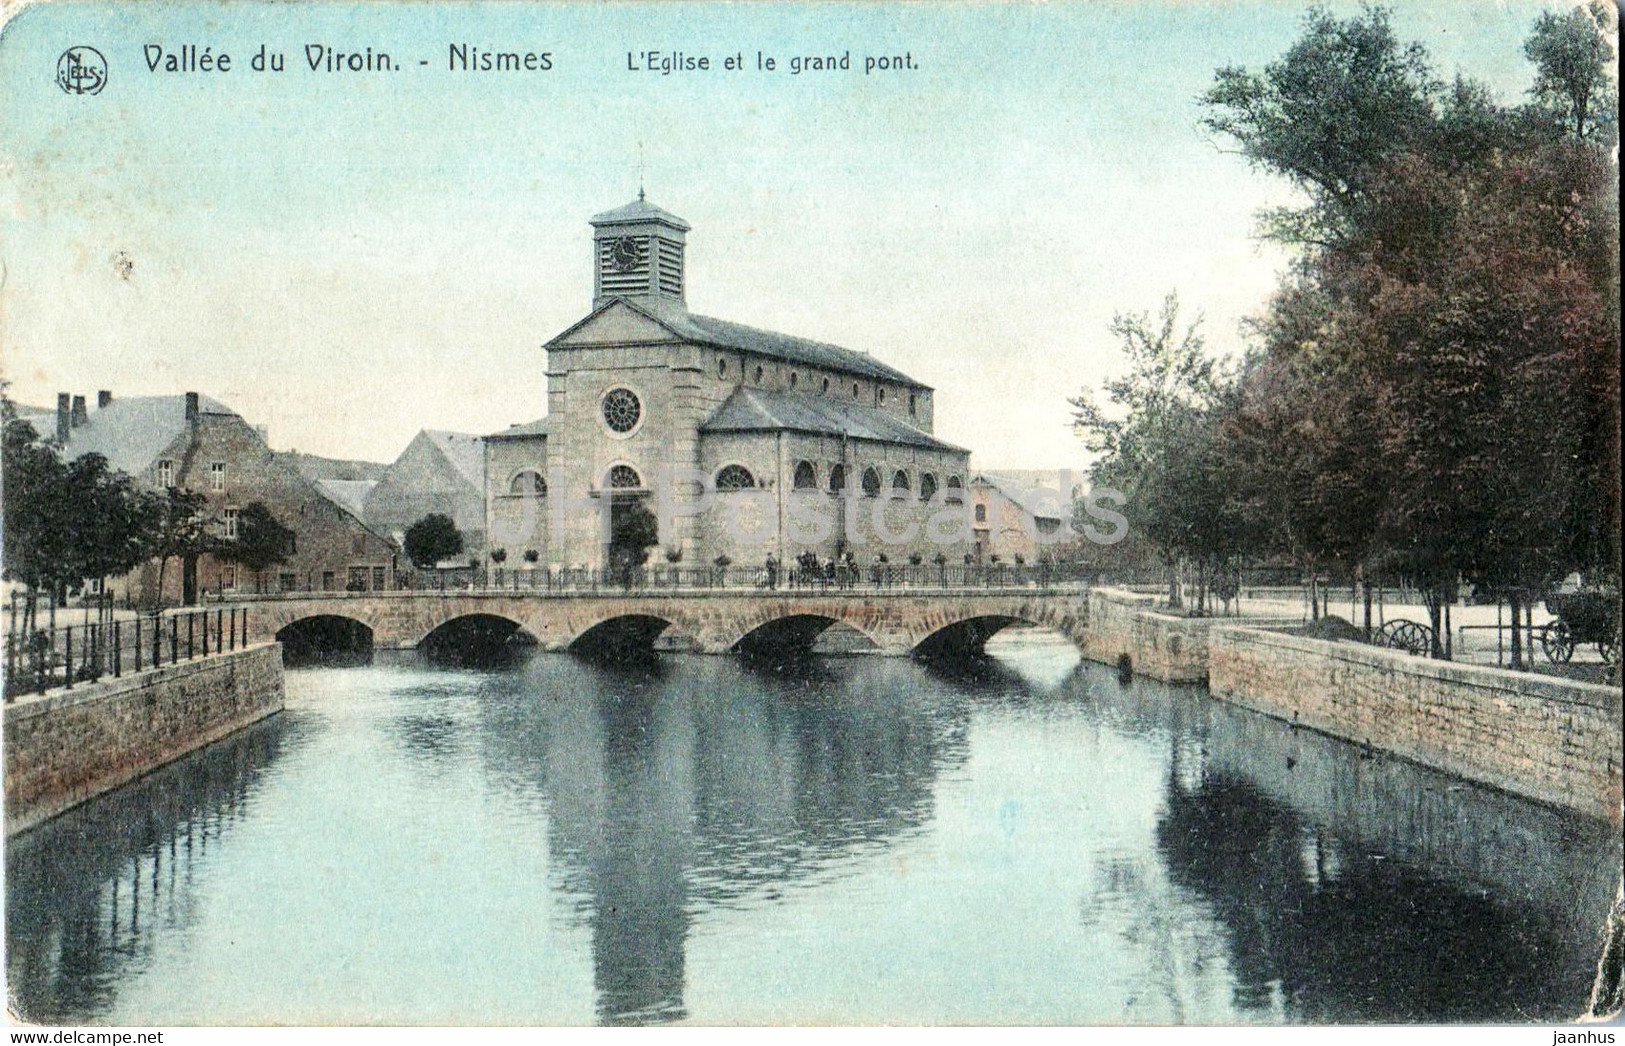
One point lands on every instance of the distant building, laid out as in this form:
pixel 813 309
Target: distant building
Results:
pixel 705 422
pixel 438 472
pixel 199 444
pixel 1016 518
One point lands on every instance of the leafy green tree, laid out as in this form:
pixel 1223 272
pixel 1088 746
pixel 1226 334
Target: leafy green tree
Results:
pixel 1148 434
pixel 181 529
pixel 261 543
pixel 431 539
pixel 1572 59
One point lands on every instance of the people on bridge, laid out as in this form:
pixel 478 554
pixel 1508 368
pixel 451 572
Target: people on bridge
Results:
pixel 771 568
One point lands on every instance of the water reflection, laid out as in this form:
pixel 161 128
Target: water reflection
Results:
pixel 1012 839
pixel 87 893
pixel 674 789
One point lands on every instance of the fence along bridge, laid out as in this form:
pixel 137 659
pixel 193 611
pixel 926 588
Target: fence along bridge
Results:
pixel 898 622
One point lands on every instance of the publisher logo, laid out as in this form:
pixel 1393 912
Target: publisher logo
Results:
pixel 81 70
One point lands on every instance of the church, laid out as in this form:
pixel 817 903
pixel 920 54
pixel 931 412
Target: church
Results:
pixel 742 442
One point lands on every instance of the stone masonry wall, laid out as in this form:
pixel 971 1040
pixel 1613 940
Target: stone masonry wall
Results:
pixel 69 745
pixel 1548 739
pixel 1161 646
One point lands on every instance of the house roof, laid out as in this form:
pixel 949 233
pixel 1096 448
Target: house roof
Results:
pixel 1037 501
pixel 463 450
pixel 348 494
pixel 725 334
pixel 131 432
pixel 639 210
pixel 758 410
pixel 539 427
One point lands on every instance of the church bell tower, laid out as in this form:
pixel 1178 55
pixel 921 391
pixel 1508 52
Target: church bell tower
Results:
pixel 638 254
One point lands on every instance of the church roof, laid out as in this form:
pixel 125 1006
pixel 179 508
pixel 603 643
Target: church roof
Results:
pixel 725 334
pixel 639 210
pixel 757 410
pixel 539 427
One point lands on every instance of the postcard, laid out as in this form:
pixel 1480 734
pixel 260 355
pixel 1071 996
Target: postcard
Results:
pixel 811 513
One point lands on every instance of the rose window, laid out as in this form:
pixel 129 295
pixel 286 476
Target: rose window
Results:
pixel 622 411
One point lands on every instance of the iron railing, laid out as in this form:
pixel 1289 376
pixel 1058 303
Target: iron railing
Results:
pixel 43 659
pixel 652 578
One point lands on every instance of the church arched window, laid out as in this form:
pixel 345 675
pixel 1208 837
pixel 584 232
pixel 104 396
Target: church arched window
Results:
pixel 806 477
pixel 528 483
pixel 900 483
pixel 758 375
pixel 913 406
pixel 880 395
pixel 854 390
pixel 794 379
pixel 722 366
pixel 981 513
pixel 826 386
pixel 928 486
pixel 956 491
pixel 735 477
pixel 871 483
pixel 624 477
pixel 837 479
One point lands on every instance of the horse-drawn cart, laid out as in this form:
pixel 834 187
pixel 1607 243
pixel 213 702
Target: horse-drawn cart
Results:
pixel 1581 617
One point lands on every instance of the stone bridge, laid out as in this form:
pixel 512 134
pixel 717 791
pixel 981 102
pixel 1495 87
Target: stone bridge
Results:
pixel 898 621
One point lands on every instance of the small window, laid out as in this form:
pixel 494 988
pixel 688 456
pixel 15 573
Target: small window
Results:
pixel 826 386
pixel 956 491
pixel 288 581
pixel 377 579
pixel 928 486
pixel 981 513
pixel 837 479
pixel 806 477
pixel 217 476
pixel 624 477
pixel 880 395
pixel 899 481
pixel 230 525
pixel 794 379
pixel 758 375
pixel 722 367
pixel 871 483
pixel 166 474
pixel 528 484
pixel 735 477
pixel 228 576
pixel 854 390
pixel 329 582
pixel 913 405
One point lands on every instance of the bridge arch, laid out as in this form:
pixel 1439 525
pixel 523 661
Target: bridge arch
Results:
pixel 325 638
pixel 790 635
pixel 476 638
pixel 628 634
pixel 968 636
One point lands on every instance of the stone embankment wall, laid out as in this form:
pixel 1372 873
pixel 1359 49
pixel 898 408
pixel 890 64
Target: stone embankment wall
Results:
pixel 69 745
pixel 1553 740
pixel 1166 647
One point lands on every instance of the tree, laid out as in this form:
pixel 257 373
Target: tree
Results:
pixel 1572 59
pixel 431 539
pixel 1148 441
pixel 635 531
pixel 1344 101
pixel 262 541
pixel 180 529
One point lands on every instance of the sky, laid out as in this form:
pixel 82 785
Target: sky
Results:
pixel 350 257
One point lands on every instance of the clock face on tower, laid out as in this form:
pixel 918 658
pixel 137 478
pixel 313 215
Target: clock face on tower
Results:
pixel 625 253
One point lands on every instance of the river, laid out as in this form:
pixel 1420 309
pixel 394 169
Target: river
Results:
pixel 1025 839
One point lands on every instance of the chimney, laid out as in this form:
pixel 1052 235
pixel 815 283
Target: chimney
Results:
pixel 103 398
pixel 62 413
pixel 191 407
pixel 80 416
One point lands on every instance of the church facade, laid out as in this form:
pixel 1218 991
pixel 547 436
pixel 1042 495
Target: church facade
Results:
pixel 742 442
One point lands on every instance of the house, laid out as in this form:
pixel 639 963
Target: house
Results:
pixel 438 472
pixel 196 443
pixel 1017 519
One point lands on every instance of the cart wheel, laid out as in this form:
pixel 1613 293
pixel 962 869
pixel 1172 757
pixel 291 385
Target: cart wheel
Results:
pixel 1408 636
pixel 1558 642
